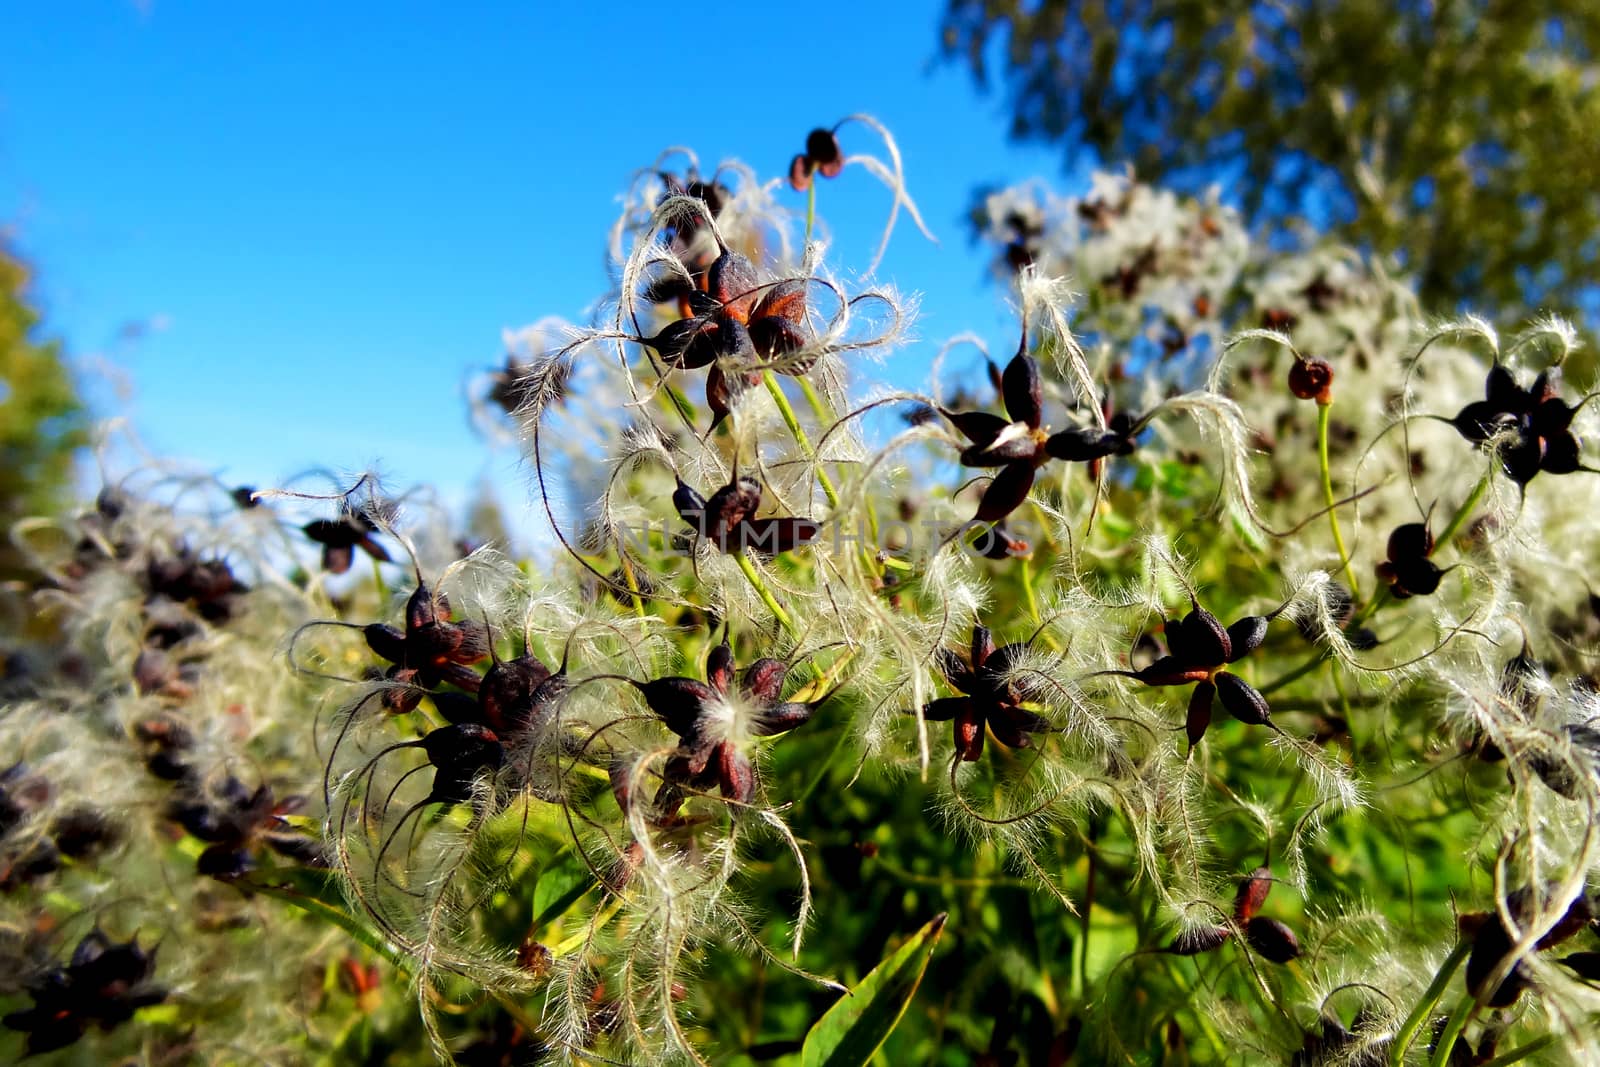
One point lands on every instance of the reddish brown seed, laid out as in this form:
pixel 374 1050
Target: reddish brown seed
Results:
pixel 968 733
pixel 1199 717
pixel 800 173
pixel 733 283
pixel 774 337
pixel 732 505
pixel 735 775
pixel 719 667
pixel 1199 939
pixel 1252 894
pixel 982 646
pixel 1312 379
pixel 785 300
pixel 763 680
pixel 1272 939
pixel 1170 670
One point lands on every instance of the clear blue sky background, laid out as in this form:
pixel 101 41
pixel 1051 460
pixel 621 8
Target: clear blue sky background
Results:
pixel 331 210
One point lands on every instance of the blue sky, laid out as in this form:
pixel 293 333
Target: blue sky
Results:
pixel 323 215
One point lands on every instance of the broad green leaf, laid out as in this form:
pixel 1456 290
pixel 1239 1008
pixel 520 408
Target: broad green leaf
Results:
pixel 858 1023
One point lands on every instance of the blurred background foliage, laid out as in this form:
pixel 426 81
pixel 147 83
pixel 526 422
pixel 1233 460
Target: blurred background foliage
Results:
pixel 1457 137
pixel 42 422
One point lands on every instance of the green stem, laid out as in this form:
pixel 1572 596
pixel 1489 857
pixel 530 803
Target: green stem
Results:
pixel 1217 1044
pixel 1027 587
pixel 1522 1052
pixel 1430 997
pixel 1299 672
pixel 1464 512
pixel 818 408
pixel 1328 498
pixel 754 578
pixel 343 920
pixel 1452 1030
pixel 799 434
pixel 811 210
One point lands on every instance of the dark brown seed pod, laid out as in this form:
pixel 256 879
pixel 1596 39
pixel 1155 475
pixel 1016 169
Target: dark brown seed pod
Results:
pixel 678 702
pixel 1410 540
pixel 1312 379
pixel 1199 717
pixel 1021 389
pixel 732 505
pixel 1005 493
pixel 1006 449
pixel 1585 965
pixel 1201 639
pixel 774 536
pixel 1245 636
pixel 385 641
pixel 997 543
pixel 1240 699
pixel 1198 939
pixel 1087 445
pixel 1170 670
pixel 822 149
pixel 688 344
pixel 979 427
pixel 1252 894
pixel 1272 939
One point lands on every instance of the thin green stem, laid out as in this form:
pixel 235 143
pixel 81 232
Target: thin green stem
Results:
pixel 1522 1052
pixel 1328 498
pixel 811 209
pixel 633 587
pixel 1464 512
pixel 1425 1006
pixel 799 434
pixel 818 408
pixel 1452 1030
pixel 1027 587
pixel 1299 672
pixel 754 578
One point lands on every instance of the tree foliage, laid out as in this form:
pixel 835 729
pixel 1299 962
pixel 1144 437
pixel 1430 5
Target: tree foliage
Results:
pixel 1456 136
pixel 41 424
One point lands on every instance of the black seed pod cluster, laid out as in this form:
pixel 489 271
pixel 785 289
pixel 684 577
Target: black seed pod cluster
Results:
pixel 822 156
pixel 698 713
pixel 1534 423
pixel 989 697
pixel 728 520
pixel 102 985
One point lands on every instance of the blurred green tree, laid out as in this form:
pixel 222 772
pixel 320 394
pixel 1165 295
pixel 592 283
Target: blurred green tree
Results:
pixel 1458 137
pixel 42 423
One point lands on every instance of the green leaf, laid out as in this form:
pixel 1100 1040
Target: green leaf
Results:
pixel 558 888
pixel 857 1024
